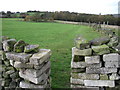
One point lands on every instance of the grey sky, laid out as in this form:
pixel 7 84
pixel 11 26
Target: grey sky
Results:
pixel 82 6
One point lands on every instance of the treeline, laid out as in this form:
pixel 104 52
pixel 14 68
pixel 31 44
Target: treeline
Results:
pixel 10 14
pixel 39 16
pixel 92 18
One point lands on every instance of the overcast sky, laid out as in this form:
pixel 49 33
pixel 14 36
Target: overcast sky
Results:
pixel 81 6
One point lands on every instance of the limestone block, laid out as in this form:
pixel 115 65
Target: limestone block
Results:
pixel 36 80
pixel 31 48
pixel 76 81
pixel 20 65
pixel 92 59
pixel 40 57
pixel 22 57
pixel 24 84
pixel 85 52
pixel 100 41
pixel 101 70
pixel 11 62
pixel 114 76
pixel 36 73
pixel 115 57
pixel 96 65
pixel 78 64
pixel 100 83
pixel 85 76
pixel 84 65
pixel 41 65
pixel 84 87
pixel 112 64
pixel 8 45
pixel 100 50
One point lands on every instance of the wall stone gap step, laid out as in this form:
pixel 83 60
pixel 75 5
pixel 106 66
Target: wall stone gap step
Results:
pixel 22 57
pixel 84 65
pixel 34 72
pixel 85 76
pixel 24 84
pixel 40 57
pixel 85 52
pixel 76 81
pixel 107 83
pixel 36 80
pixel 101 70
pixel 115 57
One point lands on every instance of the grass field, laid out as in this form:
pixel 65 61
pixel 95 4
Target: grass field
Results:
pixel 55 36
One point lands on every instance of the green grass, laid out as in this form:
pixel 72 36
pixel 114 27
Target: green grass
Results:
pixel 55 36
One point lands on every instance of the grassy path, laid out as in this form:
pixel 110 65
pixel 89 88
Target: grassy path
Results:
pixel 55 36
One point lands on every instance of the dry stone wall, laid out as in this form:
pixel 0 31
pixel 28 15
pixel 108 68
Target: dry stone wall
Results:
pixel 95 64
pixel 23 65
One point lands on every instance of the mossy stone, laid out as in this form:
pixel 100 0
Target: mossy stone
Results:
pixel 113 41
pixel 8 45
pixel 100 50
pixel 103 77
pixel 31 49
pixel 10 68
pixel 19 46
pixel 6 62
pixel 2 55
pixel 81 43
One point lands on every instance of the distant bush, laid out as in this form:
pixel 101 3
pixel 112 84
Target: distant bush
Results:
pixel 37 17
pixel 28 18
